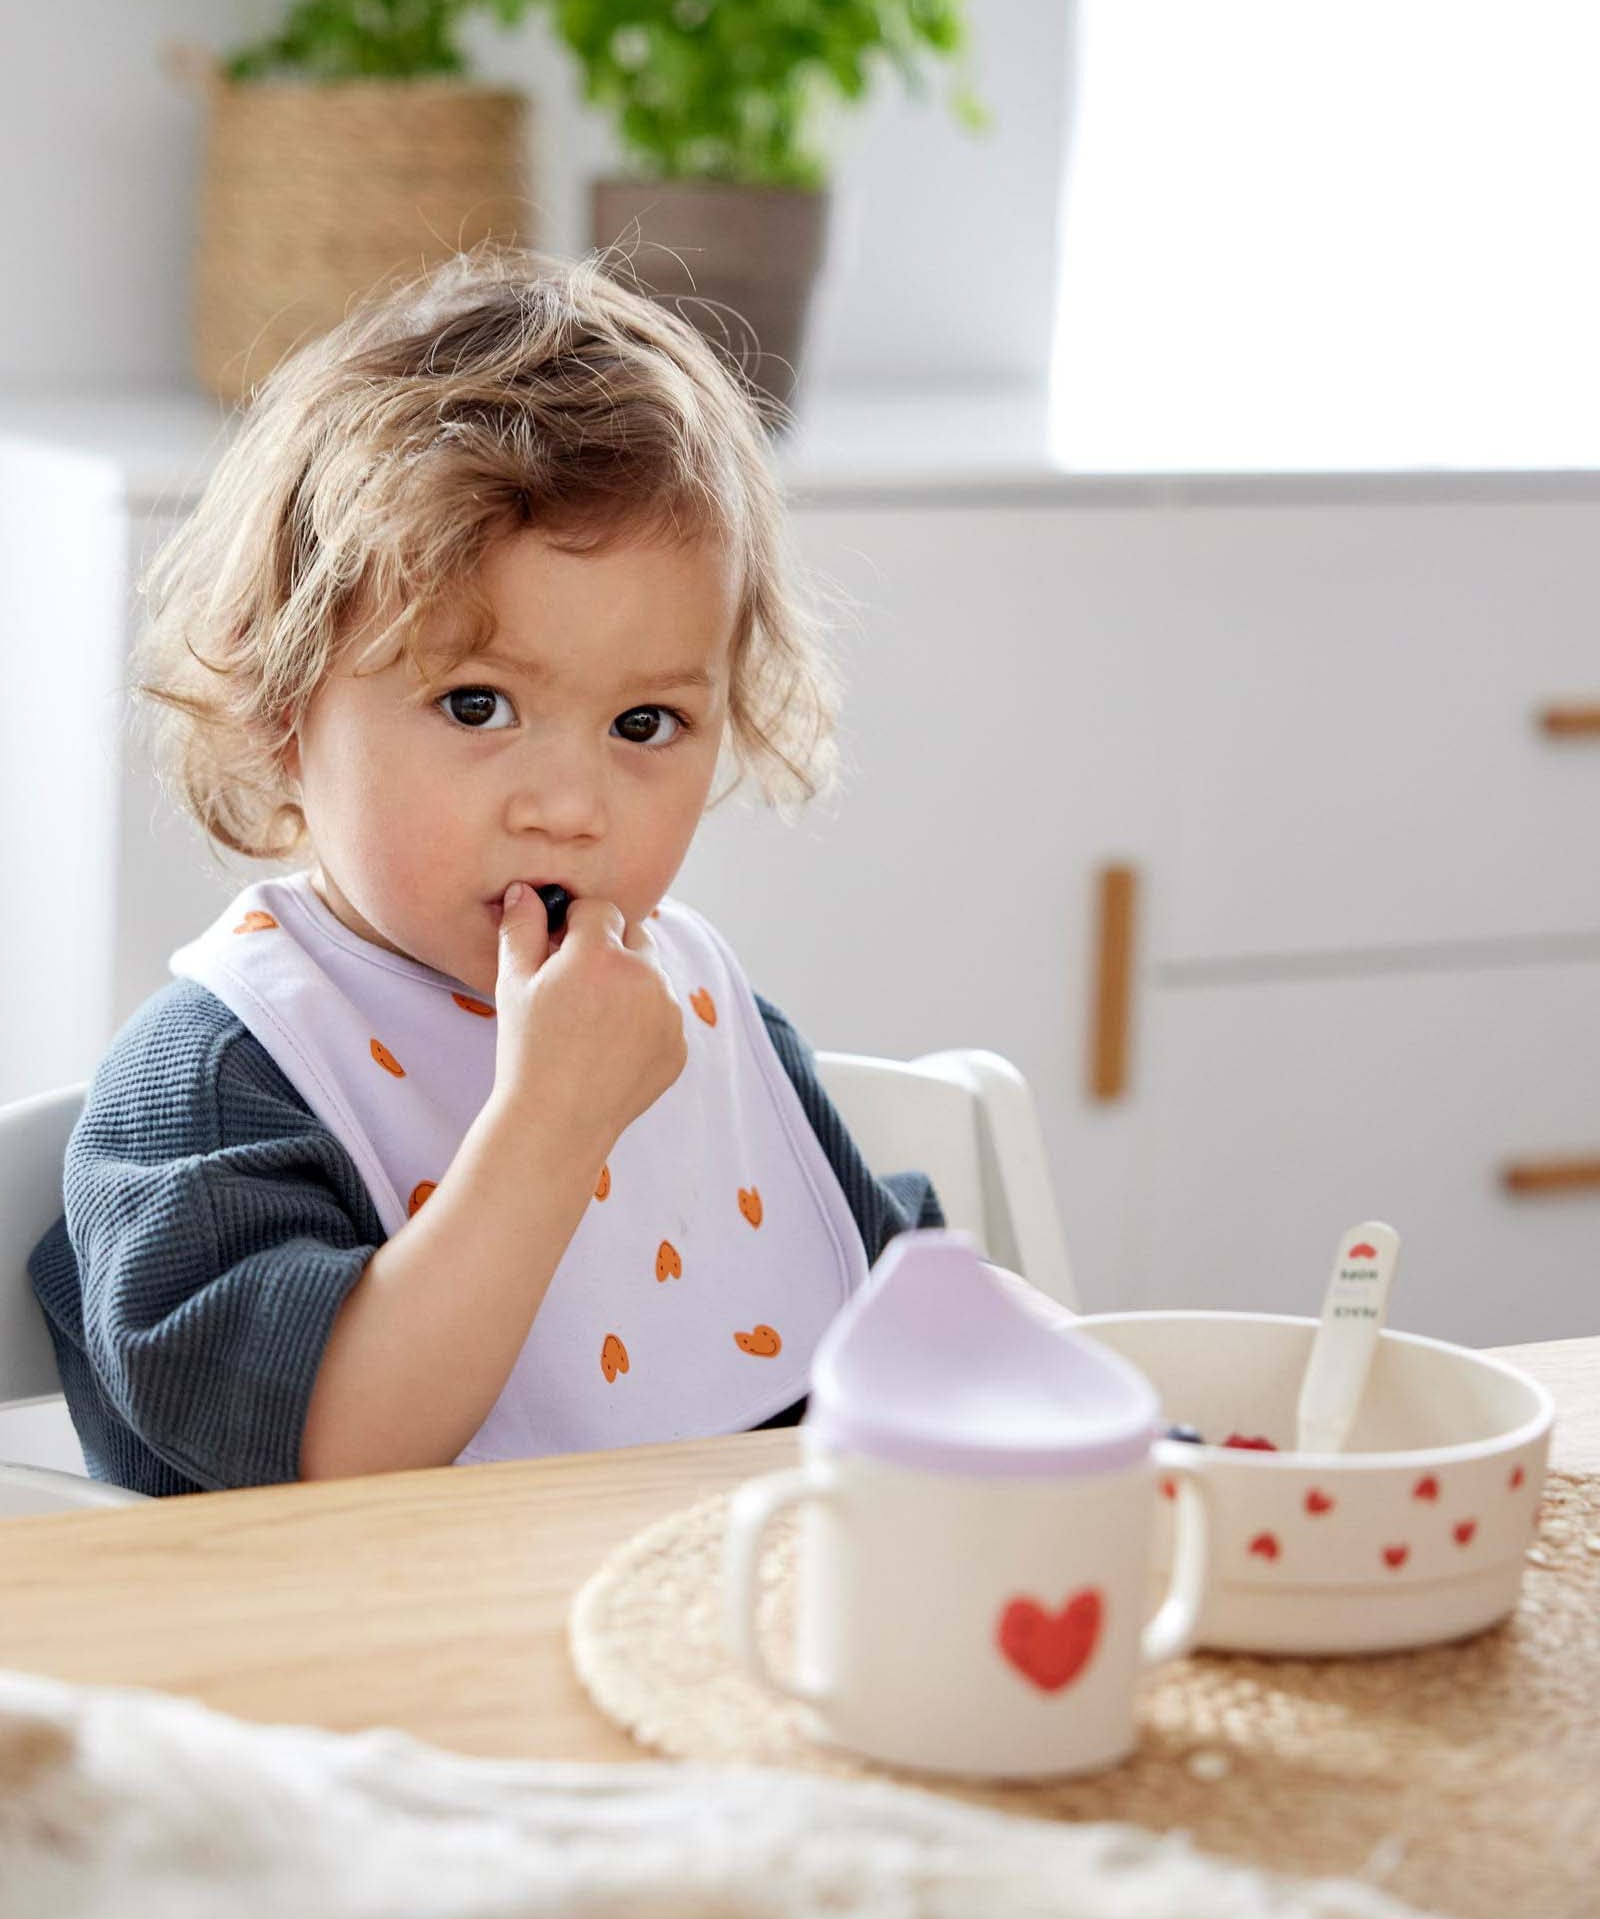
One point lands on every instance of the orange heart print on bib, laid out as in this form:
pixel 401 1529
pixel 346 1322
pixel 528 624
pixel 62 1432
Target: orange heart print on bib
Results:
pixel 718 1212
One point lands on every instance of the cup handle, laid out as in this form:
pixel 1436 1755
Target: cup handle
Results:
pixel 754 1507
pixel 1172 1630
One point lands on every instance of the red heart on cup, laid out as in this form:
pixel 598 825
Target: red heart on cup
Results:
pixel 1318 1501
pixel 1051 1649
pixel 1396 1556
pixel 1265 1546
pixel 1464 1532
pixel 1426 1488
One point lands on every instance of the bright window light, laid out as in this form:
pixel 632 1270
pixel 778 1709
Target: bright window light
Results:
pixel 1300 235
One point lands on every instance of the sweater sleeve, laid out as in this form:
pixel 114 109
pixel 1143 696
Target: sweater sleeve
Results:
pixel 212 1230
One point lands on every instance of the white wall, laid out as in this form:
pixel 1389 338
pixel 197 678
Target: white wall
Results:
pixel 943 262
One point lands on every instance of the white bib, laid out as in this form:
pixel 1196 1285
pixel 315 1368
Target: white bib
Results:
pixel 718 1245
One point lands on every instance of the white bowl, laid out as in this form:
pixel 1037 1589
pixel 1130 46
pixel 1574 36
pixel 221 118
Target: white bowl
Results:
pixel 1415 1533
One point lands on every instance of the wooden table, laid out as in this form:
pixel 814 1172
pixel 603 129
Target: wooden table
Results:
pixel 434 1601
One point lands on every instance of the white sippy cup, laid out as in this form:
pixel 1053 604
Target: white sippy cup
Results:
pixel 980 1485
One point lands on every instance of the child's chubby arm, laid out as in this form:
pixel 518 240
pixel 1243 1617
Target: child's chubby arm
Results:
pixel 587 1039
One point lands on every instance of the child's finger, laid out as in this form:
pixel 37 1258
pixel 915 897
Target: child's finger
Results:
pixel 592 921
pixel 524 928
pixel 639 939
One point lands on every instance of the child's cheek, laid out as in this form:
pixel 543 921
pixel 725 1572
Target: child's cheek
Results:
pixel 430 855
pixel 403 848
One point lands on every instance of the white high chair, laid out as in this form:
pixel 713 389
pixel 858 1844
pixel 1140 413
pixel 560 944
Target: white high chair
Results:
pixel 965 1118
pixel 33 1420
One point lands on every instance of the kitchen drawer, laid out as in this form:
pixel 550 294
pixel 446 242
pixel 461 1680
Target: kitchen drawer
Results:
pixel 1275 1115
pixel 1364 766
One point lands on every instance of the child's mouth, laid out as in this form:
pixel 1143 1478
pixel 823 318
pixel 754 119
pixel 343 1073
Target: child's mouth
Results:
pixel 556 900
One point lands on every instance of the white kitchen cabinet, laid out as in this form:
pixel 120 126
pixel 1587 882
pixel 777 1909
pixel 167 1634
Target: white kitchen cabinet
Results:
pixel 99 870
pixel 1306 728
pixel 1001 721
pixel 1278 1114
pixel 61 561
pixel 1365 769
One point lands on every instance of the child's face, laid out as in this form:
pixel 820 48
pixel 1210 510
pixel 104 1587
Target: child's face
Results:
pixel 554 756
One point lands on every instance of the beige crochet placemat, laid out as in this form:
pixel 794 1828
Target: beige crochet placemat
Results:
pixel 1465 1778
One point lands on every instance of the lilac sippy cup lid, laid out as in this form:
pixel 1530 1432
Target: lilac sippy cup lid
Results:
pixel 937 1365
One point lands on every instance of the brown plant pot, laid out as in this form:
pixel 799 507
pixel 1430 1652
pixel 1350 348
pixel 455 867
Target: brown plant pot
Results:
pixel 313 194
pixel 739 263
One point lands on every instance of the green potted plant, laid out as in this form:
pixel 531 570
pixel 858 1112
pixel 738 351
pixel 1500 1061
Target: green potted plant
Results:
pixel 721 107
pixel 352 140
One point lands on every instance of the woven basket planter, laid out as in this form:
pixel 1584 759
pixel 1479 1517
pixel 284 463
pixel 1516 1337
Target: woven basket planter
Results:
pixel 739 263
pixel 313 194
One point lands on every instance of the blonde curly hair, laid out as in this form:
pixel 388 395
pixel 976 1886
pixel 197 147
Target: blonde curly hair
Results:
pixel 501 390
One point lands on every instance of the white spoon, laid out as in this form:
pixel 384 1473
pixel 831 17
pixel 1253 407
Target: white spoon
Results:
pixel 1353 1313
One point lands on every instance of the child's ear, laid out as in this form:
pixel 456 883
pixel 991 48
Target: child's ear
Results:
pixel 289 758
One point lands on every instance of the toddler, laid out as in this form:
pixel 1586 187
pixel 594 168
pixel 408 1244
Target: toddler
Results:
pixel 404 1167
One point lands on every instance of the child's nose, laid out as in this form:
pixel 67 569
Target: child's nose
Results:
pixel 558 787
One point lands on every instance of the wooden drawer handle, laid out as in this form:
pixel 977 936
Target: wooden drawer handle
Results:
pixel 1552 1175
pixel 1113 987
pixel 1571 722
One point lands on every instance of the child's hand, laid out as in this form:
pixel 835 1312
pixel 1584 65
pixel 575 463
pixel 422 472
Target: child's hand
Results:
pixel 591 1035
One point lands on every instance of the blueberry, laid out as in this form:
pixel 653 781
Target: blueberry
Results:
pixel 1190 1435
pixel 556 901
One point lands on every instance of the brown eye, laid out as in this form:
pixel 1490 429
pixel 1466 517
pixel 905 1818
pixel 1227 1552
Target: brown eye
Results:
pixel 473 707
pixel 642 724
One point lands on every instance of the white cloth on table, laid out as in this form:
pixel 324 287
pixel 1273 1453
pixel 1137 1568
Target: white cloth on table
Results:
pixel 122 1804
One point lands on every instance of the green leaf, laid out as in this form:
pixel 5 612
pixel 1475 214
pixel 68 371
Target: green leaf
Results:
pixel 730 89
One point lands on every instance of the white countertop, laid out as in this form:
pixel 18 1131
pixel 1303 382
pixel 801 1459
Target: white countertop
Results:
pixel 886 447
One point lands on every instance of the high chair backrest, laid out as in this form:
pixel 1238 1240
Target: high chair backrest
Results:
pixel 33 1143
pixel 967 1119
